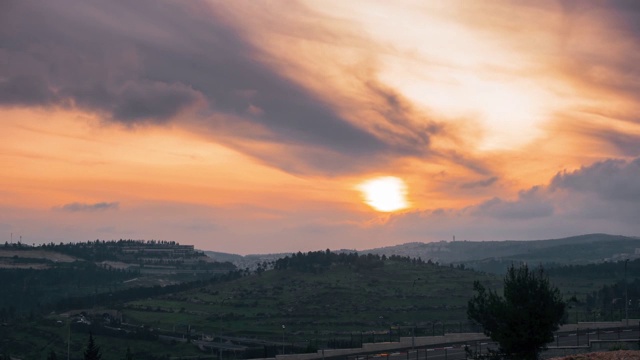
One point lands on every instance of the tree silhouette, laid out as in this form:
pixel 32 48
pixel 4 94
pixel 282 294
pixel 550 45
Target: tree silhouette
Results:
pixel 524 319
pixel 92 352
pixel 128 355
pixel 52 356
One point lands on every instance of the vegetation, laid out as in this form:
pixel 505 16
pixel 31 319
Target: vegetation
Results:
pixel 92 352
pixel 362 298
pixel 610 299
pixel 354 293
pixel 32 290
pixel 523 320
pixel 37 280
pixel 319 261
pixel 597 290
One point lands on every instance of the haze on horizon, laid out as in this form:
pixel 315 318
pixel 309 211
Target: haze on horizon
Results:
pixel 252 127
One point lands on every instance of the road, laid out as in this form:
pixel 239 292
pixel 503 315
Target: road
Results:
pixel 457 352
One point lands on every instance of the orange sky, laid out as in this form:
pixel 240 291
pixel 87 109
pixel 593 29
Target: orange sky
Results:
pixel 249 127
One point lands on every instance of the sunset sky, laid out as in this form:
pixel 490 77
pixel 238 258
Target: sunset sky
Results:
pixel 257 126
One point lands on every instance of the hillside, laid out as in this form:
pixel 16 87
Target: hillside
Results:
pixel 358 294
pixel 37 278
pixel 496 256
pixel 323 299
pixel 492 256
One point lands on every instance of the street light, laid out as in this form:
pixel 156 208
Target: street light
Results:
pixel 69 338
pixel 626 300
pixel 282 339
pixel 220 324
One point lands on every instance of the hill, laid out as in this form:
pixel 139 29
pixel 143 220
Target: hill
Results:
pixel 496 256
pixel 36 278
pixel 492 256
pixel 350 292
pixel 323 299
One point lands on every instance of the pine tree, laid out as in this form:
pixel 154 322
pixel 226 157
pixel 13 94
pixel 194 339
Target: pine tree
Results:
pixel 128 355
pixel 523 320
pixel 92 352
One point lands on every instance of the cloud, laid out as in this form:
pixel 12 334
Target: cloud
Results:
pixel 529 204
pixel 84 207
pixel 151 101
pixel 601 197
pixel 625 143
pixel 606 190
pixel 153 62
pixel 480 183
pixel 613 180
pixel 25 90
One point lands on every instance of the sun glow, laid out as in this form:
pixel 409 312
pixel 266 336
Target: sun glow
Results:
pixel 385 194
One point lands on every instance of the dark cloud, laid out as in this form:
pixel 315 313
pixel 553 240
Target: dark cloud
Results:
pixel 605 193
pixel 155 101
pixel 25 90
pixel 401 123
pixel 468 162
pixel 626 144
pixel 83 207
pixel 480 183
pixel 71 54
pixel 626 15
pixel 148 61
pixel 612 179
pixel 530 204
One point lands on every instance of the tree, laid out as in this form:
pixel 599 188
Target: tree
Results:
pixel 92 352
pixel 524 319
pixel 52 355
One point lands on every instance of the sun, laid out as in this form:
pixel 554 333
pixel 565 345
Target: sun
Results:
pixel 385 194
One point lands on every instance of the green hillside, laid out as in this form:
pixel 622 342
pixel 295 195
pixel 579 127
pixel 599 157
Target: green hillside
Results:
pixel 323 299
pixel 36 279
pixel 340 297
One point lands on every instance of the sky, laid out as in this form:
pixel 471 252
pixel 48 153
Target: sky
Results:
pixel 260 126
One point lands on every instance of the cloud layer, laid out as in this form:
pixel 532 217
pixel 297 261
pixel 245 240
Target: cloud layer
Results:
pixel 152 62
pixel 506 119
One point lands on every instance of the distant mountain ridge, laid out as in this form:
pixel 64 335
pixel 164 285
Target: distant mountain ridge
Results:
pixel 495 256
pixel 492 256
